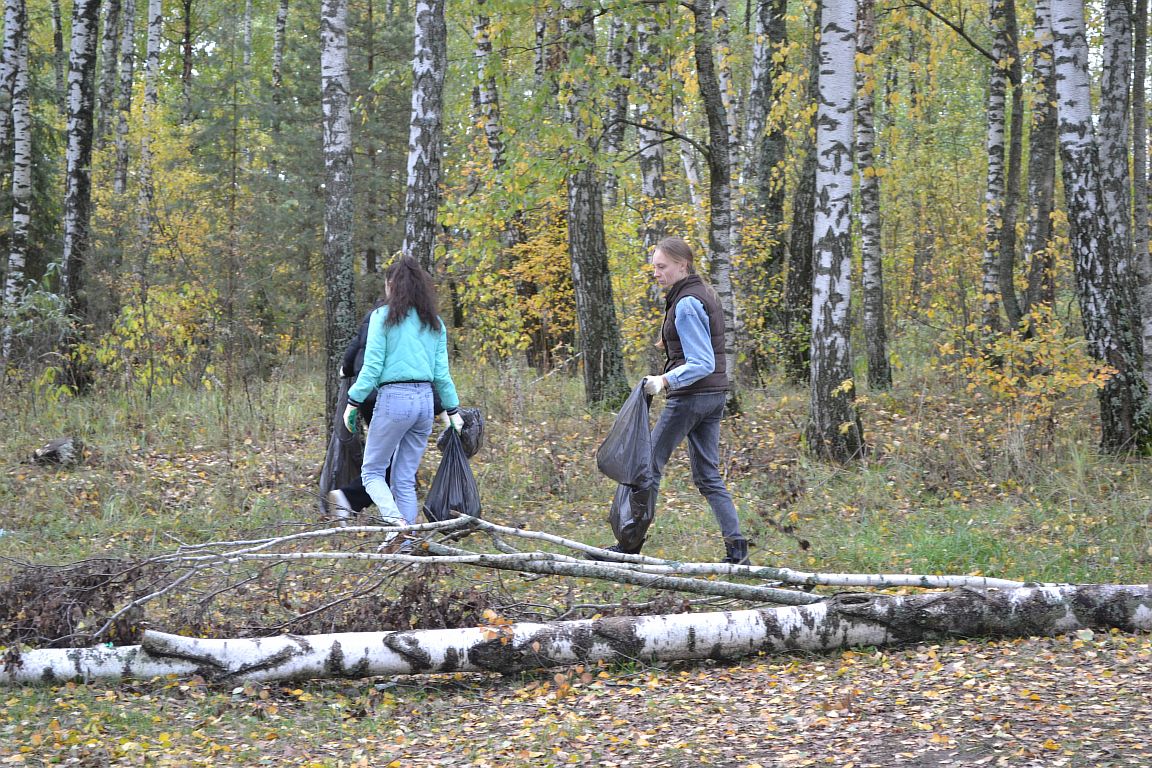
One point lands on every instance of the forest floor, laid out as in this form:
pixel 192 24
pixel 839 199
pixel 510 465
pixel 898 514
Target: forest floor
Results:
pixel 1066 701
pixel 952 486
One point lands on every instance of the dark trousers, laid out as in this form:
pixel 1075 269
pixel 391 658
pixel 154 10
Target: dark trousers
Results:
pixel 697 418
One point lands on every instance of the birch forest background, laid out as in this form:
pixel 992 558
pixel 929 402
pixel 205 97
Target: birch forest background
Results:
pixel 201 192
pixel 926 222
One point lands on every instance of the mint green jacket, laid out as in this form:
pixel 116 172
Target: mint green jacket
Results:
pixel 405 352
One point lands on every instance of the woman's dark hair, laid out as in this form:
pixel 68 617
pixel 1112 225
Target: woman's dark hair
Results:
pixel 410 287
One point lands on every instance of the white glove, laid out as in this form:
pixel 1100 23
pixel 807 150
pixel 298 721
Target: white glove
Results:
pixel 654 385
pixel 350 413
pixel 454 421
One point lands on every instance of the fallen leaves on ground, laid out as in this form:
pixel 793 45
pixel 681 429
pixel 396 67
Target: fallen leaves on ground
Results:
pixel 1083 699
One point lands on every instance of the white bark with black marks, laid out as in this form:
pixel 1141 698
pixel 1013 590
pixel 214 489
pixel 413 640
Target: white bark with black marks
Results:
pixel 1123 416
pixel 1042 141
pixel 59 57
pixel 1142 260
pixel 834 428
pixel 1008 239
pixel 621 52
pixel 78 162
pixel 1115 95
pixel 340 320
pixel 109 68
pixel 278 36
pixel 764 138
pixel 126 74
pixel 994 181
pixel 872 283
pixel 487 96
pixel 729 97
pixel 149 107
pixel 13 29
pixel 843 621
pixel 690 161
pixel 651 155
pixel 429 65
pixel 15 25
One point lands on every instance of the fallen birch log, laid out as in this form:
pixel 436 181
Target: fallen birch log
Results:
pixel 842 621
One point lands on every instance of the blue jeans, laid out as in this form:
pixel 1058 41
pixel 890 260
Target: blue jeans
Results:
pixel 697 417
pixel 401 424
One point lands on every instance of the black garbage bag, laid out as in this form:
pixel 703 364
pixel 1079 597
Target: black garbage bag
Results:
pixel 453 491
pixel 626 454
pixel 633 510
pixel 345 453
pixel 471 434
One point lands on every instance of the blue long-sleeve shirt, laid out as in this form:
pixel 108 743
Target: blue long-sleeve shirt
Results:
pixel 699 360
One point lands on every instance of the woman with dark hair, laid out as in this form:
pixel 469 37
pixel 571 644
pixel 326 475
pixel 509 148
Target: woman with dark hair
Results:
pixel 405 357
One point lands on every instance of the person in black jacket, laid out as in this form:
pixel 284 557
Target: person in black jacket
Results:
pixel 351 499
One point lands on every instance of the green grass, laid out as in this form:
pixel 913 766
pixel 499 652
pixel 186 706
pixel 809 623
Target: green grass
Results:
pixel 945 489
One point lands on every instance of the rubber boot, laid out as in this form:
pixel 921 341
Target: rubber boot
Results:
pixel 736 551
pixel 613 548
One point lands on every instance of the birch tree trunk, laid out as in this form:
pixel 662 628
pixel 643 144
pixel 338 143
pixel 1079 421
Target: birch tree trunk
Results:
pixel 689 161
pixel 722 28
pixel 340 320
pixel 1042 141
pixel 1140 134
pixel 1007 255
pixel 797 321
pixel 487 99
pixel 78 172
pixel 1123 417
pixel 1141 258
pixel 765 139
pixel 843 621
pixel 834 428
pixel 147 113
pixel 109 65
pixel 994 187
pixel 722 32
pixel 651 155
pixel 59 57
pixel 372 211
pixel 429 64
pixel 1115 181
pixel 126 74
pixel 13 30
pixel 763 183
pixel 719 180
pixel 16 29
pixel 599 331
pixel 186 51
pixel 621 51
pixel 879 371
pixel 278 35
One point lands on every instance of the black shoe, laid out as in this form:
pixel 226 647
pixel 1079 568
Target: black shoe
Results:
pixel 613 548
pixel 736 551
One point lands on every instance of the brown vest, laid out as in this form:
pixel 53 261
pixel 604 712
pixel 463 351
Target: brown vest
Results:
pixel 717 381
